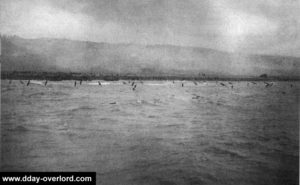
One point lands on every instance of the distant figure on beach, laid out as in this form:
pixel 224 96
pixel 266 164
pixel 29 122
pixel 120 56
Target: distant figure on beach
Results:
pixel 75 84
pixel 80 82
pixel 99 83
pixel 134 87
pixel 46 82
pixel 223 84
pixel 28 82
pixel 195 82
pixel 132 83
pixel 21 82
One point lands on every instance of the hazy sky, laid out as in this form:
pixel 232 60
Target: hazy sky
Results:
pixel 257 26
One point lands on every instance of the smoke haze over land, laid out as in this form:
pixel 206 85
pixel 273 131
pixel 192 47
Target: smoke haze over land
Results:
pixel 228 37
pixel 132 59
pixel 265 27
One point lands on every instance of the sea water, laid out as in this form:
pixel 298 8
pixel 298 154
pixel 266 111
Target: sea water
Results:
pixel 158 133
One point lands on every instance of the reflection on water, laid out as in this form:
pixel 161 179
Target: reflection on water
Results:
pixel 160 133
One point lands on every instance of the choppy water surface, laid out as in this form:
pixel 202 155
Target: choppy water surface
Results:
pixel 161 133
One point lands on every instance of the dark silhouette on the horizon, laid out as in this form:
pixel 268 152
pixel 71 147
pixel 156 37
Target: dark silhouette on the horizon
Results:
pixel 28 82
pixel 263 76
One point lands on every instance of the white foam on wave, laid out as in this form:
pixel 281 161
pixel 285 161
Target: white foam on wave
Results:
pixel 36 82
pixel 152 84
pixel 96 83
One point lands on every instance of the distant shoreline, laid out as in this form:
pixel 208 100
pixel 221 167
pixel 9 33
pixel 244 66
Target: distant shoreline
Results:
pixel 59 76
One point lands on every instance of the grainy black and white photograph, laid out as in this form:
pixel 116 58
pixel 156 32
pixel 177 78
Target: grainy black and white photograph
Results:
pixel 152 92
